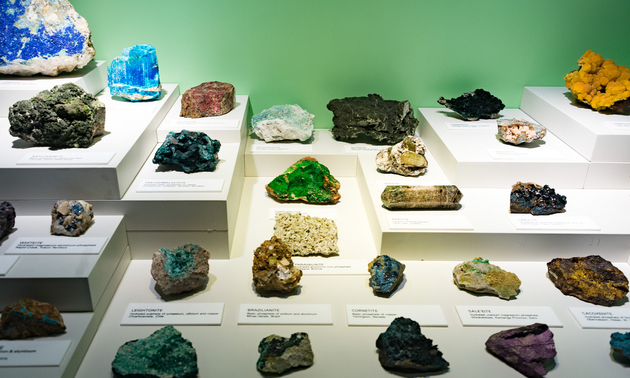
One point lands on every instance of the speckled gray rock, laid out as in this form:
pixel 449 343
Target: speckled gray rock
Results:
pixel 405 158
pixel 71 218
pixel 278 354
pixel 306 235
pixel 182 269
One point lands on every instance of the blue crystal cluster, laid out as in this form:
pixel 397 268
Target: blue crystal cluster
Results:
pixel 135 75
pixel 386 273
pixel 180 262
pixel 193 151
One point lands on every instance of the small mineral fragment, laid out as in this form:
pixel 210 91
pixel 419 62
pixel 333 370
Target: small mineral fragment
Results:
pixel 592 279
pixel 63 117
pixel 384 120
pixel 43 37
pixel 29 318
pixel 474 105
pixel 405 158
pixel 213 98
pixel 480 276
pixel 385 274
pixel 527 197
pixel 71 218
pixel 517 131
pixel 7 218
pixel 194 151
pixel 278 354
pixel 404 347
pixel 525 349
pixel 135 75
pixel 306 235
pixel 620 342
pixel 164 354
pixel 273 268
pixel 435 197
pixel 307 180
pixel 182 269
pixel 283 122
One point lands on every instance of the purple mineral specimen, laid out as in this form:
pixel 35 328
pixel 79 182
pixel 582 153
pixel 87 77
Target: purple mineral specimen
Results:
pixel 7 218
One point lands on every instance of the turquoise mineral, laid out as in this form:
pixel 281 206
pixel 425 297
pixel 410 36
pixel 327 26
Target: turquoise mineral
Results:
pixel 164 354
pixel 135 75
pixel 386 273
pixel 182 269
pixel 620 342
pixel 42 37
pixel 193 151
pixel 29 318
pixel 283 122
pixel 278 354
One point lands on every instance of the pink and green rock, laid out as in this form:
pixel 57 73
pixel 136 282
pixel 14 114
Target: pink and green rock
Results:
pixel 307 180
pixel 209 99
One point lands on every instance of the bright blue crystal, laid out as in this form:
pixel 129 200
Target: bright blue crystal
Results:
pixel 386 273
pixel 193 151
pixel 180 262
pixel 135 75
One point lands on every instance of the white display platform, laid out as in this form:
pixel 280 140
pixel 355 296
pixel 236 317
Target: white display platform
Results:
pixel 72 282
pixel 475 157
pixel 92 78
pixel 129 136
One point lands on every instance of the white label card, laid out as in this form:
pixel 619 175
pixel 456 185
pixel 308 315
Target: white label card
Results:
pixel 6 263
pixel 330 266
pixel 150 186
pixel 507 316
pixel 362 149
pixel 313 212
pixel 383 315
pixel 207 123
pixel 592 317
pixel 33 352
pixel 281 147
pixel 551 222
pixel 619 126
pixel 428 222
pixel 285 314
pixel 472 125
pixel 59 245
pixel 66 158
pixel 173 314
pixel 525 154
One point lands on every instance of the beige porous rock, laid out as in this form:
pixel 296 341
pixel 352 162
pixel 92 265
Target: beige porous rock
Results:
pixel 434 197
pixel 480 276
pixel 518 131
pixel 273 268
pixel 405 158
pixel 182 269
pixel 306 235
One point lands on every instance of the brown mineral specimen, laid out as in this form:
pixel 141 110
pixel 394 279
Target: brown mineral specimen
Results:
pixel 592 279
pixel 182 269
pixel 273 268
pixel 405 158
pixel 480 276
pixel 517 131
pixel 208 99
pixel 30 318
pixel 436 197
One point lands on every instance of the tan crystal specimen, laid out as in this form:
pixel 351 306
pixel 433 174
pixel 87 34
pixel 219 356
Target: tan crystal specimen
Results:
pixel 518 131
pixel 405 158
pixel 306 235
pixel 273 268
pixel 435 197
pixel 480 276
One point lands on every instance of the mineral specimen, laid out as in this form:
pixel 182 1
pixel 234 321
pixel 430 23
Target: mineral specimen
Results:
pixel 63 117
pixel 273 268
pixel 384 120
pixel 135 75
pixel 436 197
pixel 526 349
pixel 480 276
pixel 405 158
pixel 7 218
pixel 307 180
pixel 208 99
pixel 164 354
pixel 43 36
pixel 532 198
pixel 600 83
pixel 517 131
pixel 194 151
pixel 404 347
pixel 71 218
pixel 385 273
pixel 620 342
pixel 283 122
pixel 29 318
pixel 278 354
pixel 474 105
pixel 592 279
pixel 185 268
pixel 306 235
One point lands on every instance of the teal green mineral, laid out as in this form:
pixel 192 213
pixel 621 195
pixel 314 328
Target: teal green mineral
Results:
pixel 307 180
pixel 193 151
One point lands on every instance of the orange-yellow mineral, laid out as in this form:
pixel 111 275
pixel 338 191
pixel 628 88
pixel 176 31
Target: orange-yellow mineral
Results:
pixel 600 83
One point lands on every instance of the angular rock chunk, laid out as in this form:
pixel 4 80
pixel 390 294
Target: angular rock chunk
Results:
pixel 306 235
pixel 71 218
pixel 29 318
pixel 43 37
pixel 592 279
pixel 474 105
pixel 517 131
pixel 405 158
pixel 182 269
pixel 526 349
pixel 194 151
pixel 384 120
pixel 273 268
pixel 209 99
pixel 435 197
pixel 307 180
pixel 385 274
pixel 527 197
pixel 620 342
pixel 480 276
pixel 278 354
pixel 63 117
pixel 283 122
pixel 164 354
pixel 404 347
pixel 135 75
pixel 7 218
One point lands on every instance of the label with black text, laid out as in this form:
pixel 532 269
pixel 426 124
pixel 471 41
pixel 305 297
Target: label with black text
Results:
pixel 525 154
pixel 173 314
pixel 472 125
pixel 59 245
pixel 281 147
pixel 207 123
pixel 428 222
pixel 383 315
pixel 591 317
pixel 533 222
pixel 33 352
pixel 507 316
pixel 623 127
pixel 149 186
pixel 330 266
pixel 66 158
pixel 316 314
pixel 362 149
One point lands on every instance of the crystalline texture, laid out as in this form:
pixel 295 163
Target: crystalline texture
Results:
pixel 620 342
pixel 405 158
pixel 532 198
pixel 135 75
pixel 71 218
pixel 208 99
pixel 283 122
pixel 474 105
pixel 306 180
pixel 179 270
pixel 517 131
pixel 273 268
pixel 385 273
pixel 193 151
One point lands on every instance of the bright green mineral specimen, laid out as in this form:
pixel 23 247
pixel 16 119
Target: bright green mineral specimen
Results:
pixel 306 180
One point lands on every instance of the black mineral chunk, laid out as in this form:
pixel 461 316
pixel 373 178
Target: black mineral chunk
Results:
pixel 474 105
pixel 7 218
pixel 538 200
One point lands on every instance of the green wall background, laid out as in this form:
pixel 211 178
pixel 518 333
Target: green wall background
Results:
pixel 309 52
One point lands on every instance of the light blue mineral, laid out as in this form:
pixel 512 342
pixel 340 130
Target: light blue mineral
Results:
pixel 283 122
pixel 386 273
pixel 135 75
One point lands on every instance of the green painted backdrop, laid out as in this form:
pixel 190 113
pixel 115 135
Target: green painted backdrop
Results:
pixel 311 51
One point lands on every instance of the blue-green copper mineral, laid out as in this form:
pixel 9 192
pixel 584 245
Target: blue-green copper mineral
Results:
pixel 193 151
pixel 386 273
pixel 180 262
pixel 620 342
pixel 135 75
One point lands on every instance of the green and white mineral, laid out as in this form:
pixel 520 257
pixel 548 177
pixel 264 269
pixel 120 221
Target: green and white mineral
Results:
pixel 307 180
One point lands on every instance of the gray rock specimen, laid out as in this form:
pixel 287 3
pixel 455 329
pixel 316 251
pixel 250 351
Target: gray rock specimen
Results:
pixel 517 131
pixel 480 276
pixel 194 151
pixel 7 218
pixel 620 343
pixel 474 105
pixel 405 158
pixel 182 269
pixel 64 117
pixel 435 197
pixel 273 268
pixel 283 122
pixel 385 274
pixel 384 120
pixel 210 99
pixel 71 218
pixel 29 318
pixel 278 354
pixel 306 235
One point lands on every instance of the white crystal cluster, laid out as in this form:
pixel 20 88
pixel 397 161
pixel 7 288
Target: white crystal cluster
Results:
pixel 518 131
pixel 283 122
pixel 306 235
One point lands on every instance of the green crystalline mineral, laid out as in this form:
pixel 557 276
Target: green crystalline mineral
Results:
pixel 306 180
